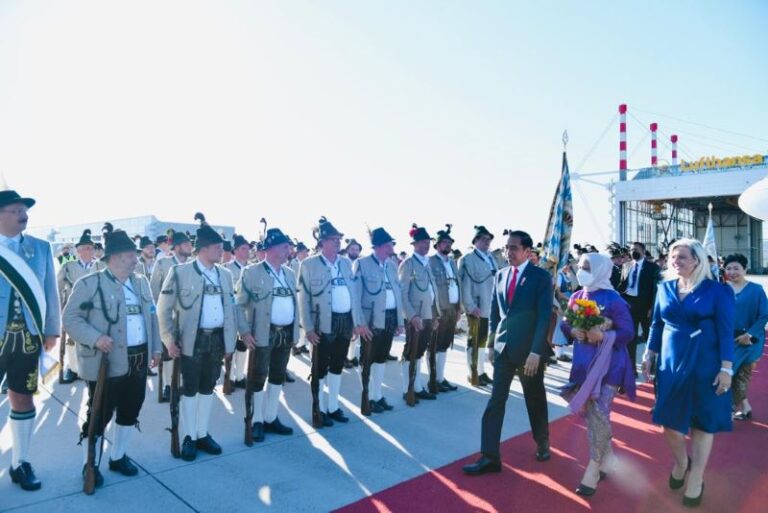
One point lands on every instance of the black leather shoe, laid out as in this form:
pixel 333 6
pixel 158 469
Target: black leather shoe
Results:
pixel 25 477
pixel 676 484
pixel 391 358
pixel 277 427
pixel 542 452
pixel 124 465
pixel 327 422
pixel 188 449
pixel 296 351
pixel 348 364
pixel 564 358
pixel 99 478
pixel 585 491
pixel 338 416
pixel 484 379
pixel 289 378
pixel 166 398
pixel 257 431
pixel 151 373
pixel 68 377
pixel 305 349
pixel 692 502
pixel 423 394
pixel 384 404
pixel 376 407
pixel 446 386
pixel 240 383
pixel 482 466
pixel 209 445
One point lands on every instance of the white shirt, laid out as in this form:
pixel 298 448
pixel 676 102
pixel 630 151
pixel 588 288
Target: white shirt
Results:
pixel 136 333
pixel 632 288
pixel 391 304
pixel 425 262
pixel 283 310
pixel 341 299
pixel 488 260
pixel 453 284
pixel 212 315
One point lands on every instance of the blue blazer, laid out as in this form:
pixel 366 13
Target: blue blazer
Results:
pixel 523 325
pixel 37 253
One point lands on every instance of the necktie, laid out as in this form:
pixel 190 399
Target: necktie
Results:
pixel 633 277
pixel 512 287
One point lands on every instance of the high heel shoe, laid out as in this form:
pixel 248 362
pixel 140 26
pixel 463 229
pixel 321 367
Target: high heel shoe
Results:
pixel 676 484
pixel 692 502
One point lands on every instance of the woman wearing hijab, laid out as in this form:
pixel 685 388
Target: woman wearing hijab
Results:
pixel 601 365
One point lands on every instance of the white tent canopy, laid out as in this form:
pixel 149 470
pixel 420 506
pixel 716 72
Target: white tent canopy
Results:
pixel 754 200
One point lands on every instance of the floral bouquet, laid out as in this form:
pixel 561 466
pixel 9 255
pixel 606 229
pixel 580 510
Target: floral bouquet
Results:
pixel 584 314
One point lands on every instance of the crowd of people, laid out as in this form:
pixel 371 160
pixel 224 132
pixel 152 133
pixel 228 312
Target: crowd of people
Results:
pixel 194 304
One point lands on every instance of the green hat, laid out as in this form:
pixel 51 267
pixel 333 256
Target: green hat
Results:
pixel 418 233
pixel 481 231
pixel 206 236
pixel 116 241
pixel 85 239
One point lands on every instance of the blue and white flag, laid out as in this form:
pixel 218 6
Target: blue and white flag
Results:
pixel 557 241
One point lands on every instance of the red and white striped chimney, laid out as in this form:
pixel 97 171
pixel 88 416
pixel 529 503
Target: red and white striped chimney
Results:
pixel 674 149
pixel 654 154
pixel 623 141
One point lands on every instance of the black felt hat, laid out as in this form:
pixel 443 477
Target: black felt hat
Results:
pixel 238 240
pixel 379 236
pixel 444 234
pixel 145 241
pixel 206 236
pixel 175 238
pixel 85 239
pixel 116 241
pixel 10 197
pixel 481 231
pixel 161 239
pixel 274 237
pixel 300 246
pixel 325 229
pixel 418 233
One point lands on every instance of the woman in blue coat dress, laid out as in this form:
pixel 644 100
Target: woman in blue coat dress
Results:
pixel 692 336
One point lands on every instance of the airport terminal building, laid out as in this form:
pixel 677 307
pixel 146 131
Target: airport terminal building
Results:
pixel 658 204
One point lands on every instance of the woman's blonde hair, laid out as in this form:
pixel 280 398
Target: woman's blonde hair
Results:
pixel 701 272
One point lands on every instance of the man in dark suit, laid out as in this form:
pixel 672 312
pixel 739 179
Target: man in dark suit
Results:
pixel 520 315
pixel 638 288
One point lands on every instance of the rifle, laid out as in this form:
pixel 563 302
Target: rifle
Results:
pixel 474 333
pixel 62 349
pixel 317 417
pixel 175 397
pixel 227 386
pixel 410 396
pixel 365 403
pixel 96 415
pixel 249 388
pixel 433 362
pixel 160 384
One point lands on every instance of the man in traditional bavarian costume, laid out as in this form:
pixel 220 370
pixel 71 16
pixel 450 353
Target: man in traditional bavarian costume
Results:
pixel 382 308
pixel 163 245
pixel 146 258
pixel 30 320
pixel 446 275
pixel 181 246
pixel 329 313
pixel 68 274
pixel 301 252
pixel 196 312
pixel 241 249
pixel 421 310
pixel 266 296
pixel 112 311
pixel 476 271
pixel 226 254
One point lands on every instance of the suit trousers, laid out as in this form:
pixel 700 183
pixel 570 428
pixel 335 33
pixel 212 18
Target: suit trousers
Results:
pixel 504 371
pixel 640 319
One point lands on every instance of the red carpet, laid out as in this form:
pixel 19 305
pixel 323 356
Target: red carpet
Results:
pixel 736 478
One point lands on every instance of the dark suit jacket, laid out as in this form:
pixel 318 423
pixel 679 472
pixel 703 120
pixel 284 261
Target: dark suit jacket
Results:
pixel 524 325
pixel 648 279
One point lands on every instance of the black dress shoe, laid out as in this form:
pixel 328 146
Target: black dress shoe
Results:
pixel 376 407
pixel 484 379
pixel 188 449
pixel 692 502
pixel 327 422
pixel 289 378
pixel 240 383
pixel 338 416
pixel 355 361
pixel 99 479
pixel 277 427
pixel 166 398
pixel 209 445
pixel 257 431
pixel 296 351
pixel 446 386
pixel 564 358
pixel 542 452
pixel 151 373
pixel 348 364
pixel 391 358
pixel 585 491
pixel 676 484
pixel 68 377
pixel 305 349
pixel 124 465
pixel 482 466
pixel 423 394
pixel 384 404
pixel 25 477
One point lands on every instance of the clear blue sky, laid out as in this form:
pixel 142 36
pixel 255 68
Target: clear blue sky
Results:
pixel 367 112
